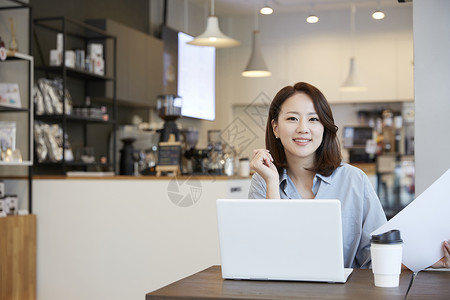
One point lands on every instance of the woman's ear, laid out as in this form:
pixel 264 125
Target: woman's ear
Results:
pixel 275 129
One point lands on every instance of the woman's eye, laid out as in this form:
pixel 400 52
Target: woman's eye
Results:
pixel 314 119
pixel 292 118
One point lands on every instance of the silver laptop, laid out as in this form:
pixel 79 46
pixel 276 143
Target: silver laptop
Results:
pixel 298 240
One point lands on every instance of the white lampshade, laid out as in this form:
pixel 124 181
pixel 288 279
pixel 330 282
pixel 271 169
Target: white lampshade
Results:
pixel 352 83
pixel 213 36
pixel 256 66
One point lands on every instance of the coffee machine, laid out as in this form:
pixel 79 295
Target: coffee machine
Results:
pixel 169 109
pixel 215 146
pixel 128 157
pixel 195 157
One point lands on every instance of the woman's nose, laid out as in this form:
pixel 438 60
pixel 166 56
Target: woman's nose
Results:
pixel 302 126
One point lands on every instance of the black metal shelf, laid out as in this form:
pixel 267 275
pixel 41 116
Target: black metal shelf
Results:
pixel 88 32
pixel 12 109
pixel 70 29
pixel 72 118
pixel 76 164
pixel 72 72
pixel 19 4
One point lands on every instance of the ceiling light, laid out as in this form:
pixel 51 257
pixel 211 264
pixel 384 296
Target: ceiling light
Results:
pixel 256 66
pixel 352 83
pixel 378 15
pixel 266 10
pixel 312 19
pixel 213 36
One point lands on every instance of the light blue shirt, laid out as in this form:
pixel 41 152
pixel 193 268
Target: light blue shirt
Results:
pixel 362 212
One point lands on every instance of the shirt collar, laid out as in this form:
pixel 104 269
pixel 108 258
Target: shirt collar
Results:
pixel 326 179
pixel 284 177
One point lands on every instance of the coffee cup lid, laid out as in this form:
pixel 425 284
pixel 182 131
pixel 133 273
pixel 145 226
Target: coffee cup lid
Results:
pixel 389 237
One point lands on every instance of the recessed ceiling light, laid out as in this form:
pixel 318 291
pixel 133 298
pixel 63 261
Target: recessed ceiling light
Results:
pixel 312 19
pixel 378 15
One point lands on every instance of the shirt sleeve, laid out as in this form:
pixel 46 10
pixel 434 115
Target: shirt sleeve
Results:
pixel 373 218
pixel 257 188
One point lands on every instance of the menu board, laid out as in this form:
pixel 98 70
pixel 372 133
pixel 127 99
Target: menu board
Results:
pixel 169 155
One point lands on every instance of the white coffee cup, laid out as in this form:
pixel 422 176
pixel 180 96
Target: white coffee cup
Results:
pixel 386 250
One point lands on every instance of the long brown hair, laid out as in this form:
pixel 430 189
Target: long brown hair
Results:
pixel 328 156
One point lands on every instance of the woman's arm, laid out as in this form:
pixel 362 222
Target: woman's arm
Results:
pixel 262 163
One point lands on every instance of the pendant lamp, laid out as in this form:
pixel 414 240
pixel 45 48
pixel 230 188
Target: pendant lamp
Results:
pixel 352 83
pixel 212 36
pixel 378 14
pixel 266 9
pixel 256 66
pixel 312 18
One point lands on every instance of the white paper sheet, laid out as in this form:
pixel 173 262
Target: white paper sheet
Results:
pixel 424 224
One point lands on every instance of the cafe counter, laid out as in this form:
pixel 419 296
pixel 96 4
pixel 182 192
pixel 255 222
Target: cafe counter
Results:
pixel 119 237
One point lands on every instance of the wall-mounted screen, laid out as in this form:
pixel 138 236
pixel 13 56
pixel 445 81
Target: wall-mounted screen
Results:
pixel 196 79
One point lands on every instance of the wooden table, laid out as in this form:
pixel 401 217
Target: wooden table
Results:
pixel 208 284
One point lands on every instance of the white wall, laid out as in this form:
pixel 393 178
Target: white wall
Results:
pixel 432 90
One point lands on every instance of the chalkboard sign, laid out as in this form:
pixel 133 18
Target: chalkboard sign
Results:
pixel 169 155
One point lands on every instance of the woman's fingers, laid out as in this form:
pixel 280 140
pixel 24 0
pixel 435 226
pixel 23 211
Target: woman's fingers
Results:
pixel 261 157
pixel 446 258
pixel 259 151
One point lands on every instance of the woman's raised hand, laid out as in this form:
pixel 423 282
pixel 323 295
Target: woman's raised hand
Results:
pixel 262 163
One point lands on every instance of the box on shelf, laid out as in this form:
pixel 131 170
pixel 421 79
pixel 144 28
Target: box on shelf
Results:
pixel 2 188
pixel 99 65
pixel 7 137
pixel 79 59
pixel 9 95
pixel 12 204
pixel 56 58
pixel 3 207
pixel 95 50
pixel 70 59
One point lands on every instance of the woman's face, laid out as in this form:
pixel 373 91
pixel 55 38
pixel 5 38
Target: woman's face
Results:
pixel 299 128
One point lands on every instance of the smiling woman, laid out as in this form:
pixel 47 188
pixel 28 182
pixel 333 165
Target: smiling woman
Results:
pixel 303 161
